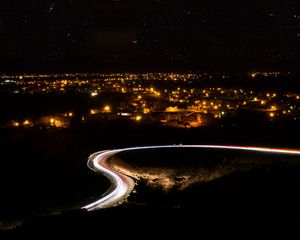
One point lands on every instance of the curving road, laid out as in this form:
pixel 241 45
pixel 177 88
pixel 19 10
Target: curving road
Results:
pixel 122 185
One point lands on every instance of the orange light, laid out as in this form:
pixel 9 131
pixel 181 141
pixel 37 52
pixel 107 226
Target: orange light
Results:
pixel 106 108
pixel 273 107
pixel 138 118
pixel 146 110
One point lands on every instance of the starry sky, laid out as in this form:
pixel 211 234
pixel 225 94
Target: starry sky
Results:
pixel 149 35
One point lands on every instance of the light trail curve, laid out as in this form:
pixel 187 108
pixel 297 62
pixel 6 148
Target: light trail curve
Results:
pixel 122 185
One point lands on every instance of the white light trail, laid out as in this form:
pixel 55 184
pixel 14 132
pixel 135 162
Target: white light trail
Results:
pixel 122 185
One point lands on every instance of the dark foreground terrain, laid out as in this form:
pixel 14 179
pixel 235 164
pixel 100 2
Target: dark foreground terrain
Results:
pixel 224 212
pixel 45 181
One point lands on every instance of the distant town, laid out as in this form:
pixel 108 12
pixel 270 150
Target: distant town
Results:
pixel 170 99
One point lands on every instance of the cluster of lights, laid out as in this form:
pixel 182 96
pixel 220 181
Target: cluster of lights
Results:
pixel 151 93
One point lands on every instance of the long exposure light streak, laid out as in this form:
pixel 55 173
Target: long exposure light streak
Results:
pixel 122 185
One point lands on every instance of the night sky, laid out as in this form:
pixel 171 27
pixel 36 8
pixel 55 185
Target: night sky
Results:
pixel 149 35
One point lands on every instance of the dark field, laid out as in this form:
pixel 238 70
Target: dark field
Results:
pixel 44 171
pixel 36 105
pixel 213 179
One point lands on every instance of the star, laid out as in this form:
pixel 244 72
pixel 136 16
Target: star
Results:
pixel 51 7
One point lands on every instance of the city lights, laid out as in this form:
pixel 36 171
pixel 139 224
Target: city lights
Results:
pixel 181 101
